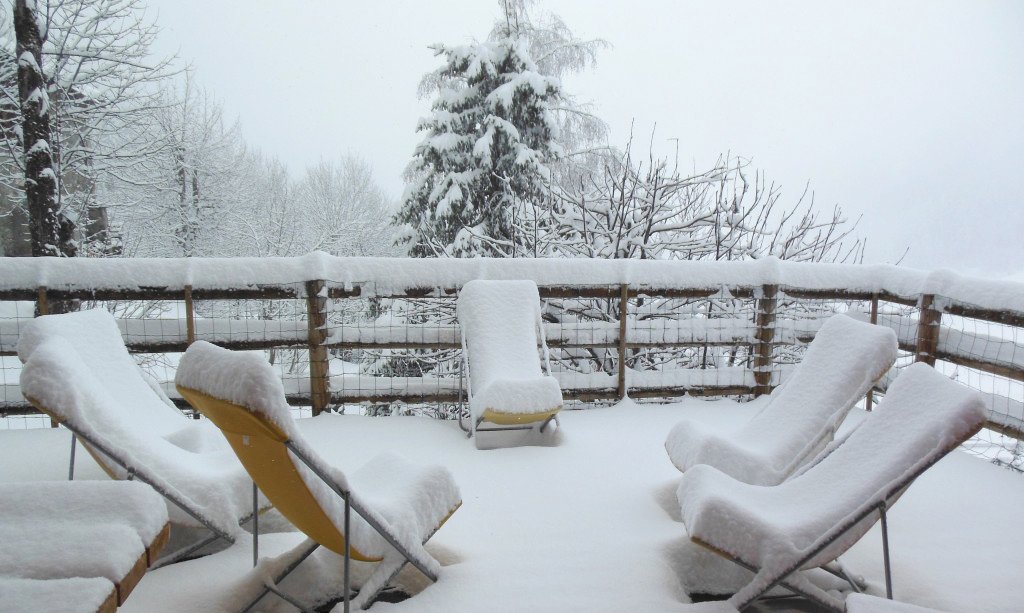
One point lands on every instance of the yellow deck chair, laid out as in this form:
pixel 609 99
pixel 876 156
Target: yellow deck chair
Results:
pixel 502 343
pixel 242 395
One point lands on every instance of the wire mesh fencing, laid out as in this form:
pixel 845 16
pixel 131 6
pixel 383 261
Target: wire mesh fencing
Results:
pixel 14 315
pixel 360 348
pixel 392 355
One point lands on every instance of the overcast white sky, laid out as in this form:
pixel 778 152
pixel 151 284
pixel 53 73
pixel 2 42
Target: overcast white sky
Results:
pixel 908 113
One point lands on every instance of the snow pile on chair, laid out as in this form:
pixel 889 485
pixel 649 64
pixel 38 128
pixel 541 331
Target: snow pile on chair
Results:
pixel 500 322
pixel 810 519
pixel 411 498
pixel 801 416
pixel 72 545
pixel 77 368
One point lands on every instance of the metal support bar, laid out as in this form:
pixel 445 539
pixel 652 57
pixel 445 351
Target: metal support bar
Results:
pixel 163 491
pixel 255 525
pixel 820 599
pixel 885 550
pixel 267 588
pixel 347 585
pixel 285 597
pixel 184 552
pixel 71 464
pixel 838 570
pixel 462 401
pixel 366 515
pixel 870 398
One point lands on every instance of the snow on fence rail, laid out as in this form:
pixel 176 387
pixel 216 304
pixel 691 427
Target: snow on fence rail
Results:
pixel 369 330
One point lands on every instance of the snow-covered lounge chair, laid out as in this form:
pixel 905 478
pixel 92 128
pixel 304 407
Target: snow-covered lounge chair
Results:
pixel 397 505
pixel 78 371
pixel 801 416
pixel 811 519
pixel 76 546
pixel 501 333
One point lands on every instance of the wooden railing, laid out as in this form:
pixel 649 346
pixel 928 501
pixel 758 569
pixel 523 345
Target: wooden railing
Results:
pixel 760 332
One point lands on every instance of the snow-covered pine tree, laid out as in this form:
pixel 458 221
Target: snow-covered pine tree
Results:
pixel 482 159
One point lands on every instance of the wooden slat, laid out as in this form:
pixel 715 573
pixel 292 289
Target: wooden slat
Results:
pixel 127 583
pixel 1005 430
pixel 110 604
pixel 177 346
pixel 1000 317
pixel 1001 370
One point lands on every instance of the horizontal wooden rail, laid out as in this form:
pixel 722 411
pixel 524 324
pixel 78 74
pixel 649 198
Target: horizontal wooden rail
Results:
pixel 625 337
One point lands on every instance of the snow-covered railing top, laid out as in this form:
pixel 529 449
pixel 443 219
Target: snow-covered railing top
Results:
pixel 398 276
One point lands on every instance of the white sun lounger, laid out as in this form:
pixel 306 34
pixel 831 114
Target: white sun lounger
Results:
pixel 381 513
pixel 78 371
pixel 76 546
pixel 811 519
pixel 801 416
pixel 502 340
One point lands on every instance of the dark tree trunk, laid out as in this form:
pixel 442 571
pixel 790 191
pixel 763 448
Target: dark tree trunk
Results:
pixel 52 233
pixel 40 180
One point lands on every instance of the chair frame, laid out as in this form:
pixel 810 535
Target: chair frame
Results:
pixel 141 473
pixel 388 566
pixel 466 392
pixel 805 588
pixel 364 600
pixel 474 427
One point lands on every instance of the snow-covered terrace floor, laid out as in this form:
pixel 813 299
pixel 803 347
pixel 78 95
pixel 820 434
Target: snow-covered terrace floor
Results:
pixel 591 523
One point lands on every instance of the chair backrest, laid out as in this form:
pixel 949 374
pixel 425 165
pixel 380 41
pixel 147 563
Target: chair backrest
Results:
pixel 841 364
pixel 94 337
pixel 242 395
pixel 923 416
pixel 99 392
pixel 499 321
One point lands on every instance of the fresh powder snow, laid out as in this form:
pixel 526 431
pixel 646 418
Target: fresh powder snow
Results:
pixel 77 366
pixel 590 524
pixel 802 415
pixel 922 417
pixel 500 325
pixel 409 499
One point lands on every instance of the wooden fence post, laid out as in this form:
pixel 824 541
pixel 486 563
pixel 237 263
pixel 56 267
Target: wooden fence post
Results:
pixel 42 306
pixel 190 317
pixel 869 400
pixel 623 314
pixel 764 335
pixel 316 305
pixel 928 331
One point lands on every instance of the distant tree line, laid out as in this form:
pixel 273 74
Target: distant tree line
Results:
pixel 108 151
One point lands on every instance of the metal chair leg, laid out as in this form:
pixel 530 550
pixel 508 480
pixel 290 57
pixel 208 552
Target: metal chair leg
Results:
pixel 255 525
pixel 347 582
pixel 885 550
pixel 280 577
pixel 71 464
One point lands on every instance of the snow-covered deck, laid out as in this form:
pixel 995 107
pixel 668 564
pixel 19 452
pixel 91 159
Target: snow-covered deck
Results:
pixel 588 520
